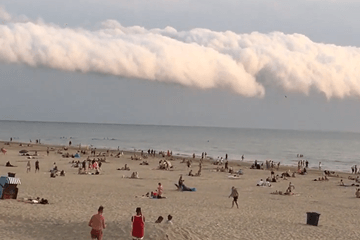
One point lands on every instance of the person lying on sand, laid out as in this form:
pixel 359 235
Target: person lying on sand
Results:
pixel 135 157
pixel 346 185
pixel 126 168
pixel 8 164
pixel 144 163
pixel 321 179
pixel 277 192
pixel 147 195
pixel 288 191
pixel 134 175
pixel 269 179
pixel 261 183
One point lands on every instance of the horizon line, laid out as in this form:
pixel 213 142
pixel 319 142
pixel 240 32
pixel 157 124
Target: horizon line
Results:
pixel 169 125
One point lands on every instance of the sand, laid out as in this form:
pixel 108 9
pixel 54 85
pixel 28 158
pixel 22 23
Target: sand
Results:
pixel 204 214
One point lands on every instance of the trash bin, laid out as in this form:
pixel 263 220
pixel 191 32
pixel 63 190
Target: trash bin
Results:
pixel 312 218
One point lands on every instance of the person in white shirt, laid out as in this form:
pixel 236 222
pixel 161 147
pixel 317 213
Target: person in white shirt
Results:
pixel 260 183
pixel 169 220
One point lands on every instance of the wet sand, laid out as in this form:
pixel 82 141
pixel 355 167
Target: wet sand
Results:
pixel 204 214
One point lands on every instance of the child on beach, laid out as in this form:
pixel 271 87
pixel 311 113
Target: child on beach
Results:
pixel 169 221
pixel 28 167
pixel 138 225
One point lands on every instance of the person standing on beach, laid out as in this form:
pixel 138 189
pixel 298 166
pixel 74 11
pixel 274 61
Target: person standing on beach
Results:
pixel 319 165
pixel 28 167
pixel 242 157
pixel 138 225
pixel 47 151
pixel 97 223
pixel 37 166
pixel 234 193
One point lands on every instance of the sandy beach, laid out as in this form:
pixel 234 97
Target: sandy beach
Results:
pixel 204 214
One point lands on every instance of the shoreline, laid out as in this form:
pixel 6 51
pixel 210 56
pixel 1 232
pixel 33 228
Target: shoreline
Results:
pixel 232 162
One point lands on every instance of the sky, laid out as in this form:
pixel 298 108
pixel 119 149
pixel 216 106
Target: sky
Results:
pixel 231 63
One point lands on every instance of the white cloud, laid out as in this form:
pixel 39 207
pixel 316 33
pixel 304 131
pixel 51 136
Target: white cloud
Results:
pixel 243 63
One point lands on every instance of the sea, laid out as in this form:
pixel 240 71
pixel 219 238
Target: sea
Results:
pixel 337 151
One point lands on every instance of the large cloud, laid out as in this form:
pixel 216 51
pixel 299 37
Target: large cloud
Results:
pixel 244 63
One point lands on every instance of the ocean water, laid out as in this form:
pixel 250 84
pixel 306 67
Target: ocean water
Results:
pixel 336 150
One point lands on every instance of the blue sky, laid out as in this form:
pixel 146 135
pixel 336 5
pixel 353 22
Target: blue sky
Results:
pixel 47 94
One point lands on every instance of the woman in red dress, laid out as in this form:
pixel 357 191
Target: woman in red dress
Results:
pixel 138 225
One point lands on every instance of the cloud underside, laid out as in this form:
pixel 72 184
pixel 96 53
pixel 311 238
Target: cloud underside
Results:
pixel 246 64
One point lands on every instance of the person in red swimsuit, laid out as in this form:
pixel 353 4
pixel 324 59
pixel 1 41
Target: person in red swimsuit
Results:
pixel 97 223
pixel 138 225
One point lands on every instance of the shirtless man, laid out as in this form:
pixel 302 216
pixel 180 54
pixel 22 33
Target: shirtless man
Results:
pixel 97 223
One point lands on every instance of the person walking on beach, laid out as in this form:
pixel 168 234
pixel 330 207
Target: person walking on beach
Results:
pixel 97 223
pixel 37 166
pixel 242 157
pixel 28 167
pixel 138 225
pixel 234 193
pixel 319 165
pixel 47 151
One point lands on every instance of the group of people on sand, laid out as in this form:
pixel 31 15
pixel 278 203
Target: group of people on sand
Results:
pixel 134 175
pixel 97 224
pixel 88 165
pixel 37 166
pixel 355 169
pixel 270 164
pixel 165 164
pixel 125 168
pixel 288 191
pixel 324 178
pixel 262 183
pixel 198 174
pixel 158 193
